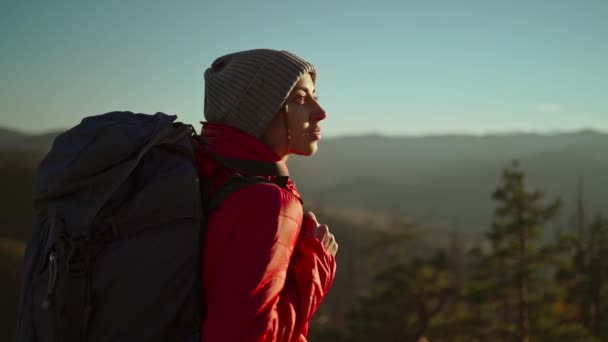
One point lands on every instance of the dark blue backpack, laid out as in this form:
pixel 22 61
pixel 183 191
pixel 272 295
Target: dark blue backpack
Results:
pixel 115 248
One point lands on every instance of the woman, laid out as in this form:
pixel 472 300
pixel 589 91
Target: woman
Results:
pixel 266 266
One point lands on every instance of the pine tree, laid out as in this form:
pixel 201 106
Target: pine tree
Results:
pixel 406 293
pixel 507 280
pixel 585 277
pixel 402 302
pixel 584 274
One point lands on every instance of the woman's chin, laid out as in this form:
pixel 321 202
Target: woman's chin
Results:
pixel 308 150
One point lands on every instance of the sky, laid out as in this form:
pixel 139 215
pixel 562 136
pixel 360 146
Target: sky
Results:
pixel 384 67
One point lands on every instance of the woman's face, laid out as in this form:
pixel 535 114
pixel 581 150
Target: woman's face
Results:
pixel 295 129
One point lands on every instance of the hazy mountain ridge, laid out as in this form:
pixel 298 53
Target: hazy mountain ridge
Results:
pixel 447 181
pixel 459 141
pixel 410 158
pixel 442 180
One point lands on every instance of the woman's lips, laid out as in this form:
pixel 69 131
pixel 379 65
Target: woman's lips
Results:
pixel 314 135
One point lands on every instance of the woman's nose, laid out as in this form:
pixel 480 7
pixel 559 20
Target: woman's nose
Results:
pixel 319 114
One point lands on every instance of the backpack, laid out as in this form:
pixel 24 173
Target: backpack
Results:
pixel 116 244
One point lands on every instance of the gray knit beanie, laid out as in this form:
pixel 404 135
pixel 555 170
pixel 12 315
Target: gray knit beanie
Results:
pixel 246 89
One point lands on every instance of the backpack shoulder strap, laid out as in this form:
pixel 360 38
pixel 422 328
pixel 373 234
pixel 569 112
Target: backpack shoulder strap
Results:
pixel 238 181
pixel 233 185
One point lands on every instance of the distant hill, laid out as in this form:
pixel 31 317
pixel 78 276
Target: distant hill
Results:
pixel 17 172
pixel 442 181
pixel 11 139
pixel 446 181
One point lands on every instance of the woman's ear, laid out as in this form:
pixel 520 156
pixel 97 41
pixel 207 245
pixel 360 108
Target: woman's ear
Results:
pixel 272 135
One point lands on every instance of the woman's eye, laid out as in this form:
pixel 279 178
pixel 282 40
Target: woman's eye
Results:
pixel 300 99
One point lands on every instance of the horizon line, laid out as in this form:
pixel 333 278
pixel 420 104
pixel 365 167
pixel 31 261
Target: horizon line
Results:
pixel 392 135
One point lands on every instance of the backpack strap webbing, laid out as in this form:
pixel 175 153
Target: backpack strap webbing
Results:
pixel 236 183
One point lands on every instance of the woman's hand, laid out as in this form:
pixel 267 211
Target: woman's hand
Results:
pixel 311 227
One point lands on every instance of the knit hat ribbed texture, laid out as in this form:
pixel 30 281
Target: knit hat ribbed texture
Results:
pixel 246 89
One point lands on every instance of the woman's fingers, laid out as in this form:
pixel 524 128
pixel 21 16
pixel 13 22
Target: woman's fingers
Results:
pixel 311 216
pixel 333 249
pixel 311 226
pixel 310 223
pixel 326 238
pixel 321 232
pixel 333 246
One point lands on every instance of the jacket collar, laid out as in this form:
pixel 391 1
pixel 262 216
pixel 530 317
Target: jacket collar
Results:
pixel 233 143
pixel 230 142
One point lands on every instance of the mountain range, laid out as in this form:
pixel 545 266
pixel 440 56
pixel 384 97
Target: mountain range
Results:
pixel 446 181
pixel 442 182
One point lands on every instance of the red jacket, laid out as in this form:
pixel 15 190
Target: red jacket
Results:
pixel 262 280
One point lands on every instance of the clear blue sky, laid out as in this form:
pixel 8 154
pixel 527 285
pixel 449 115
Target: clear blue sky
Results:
pixel 398 67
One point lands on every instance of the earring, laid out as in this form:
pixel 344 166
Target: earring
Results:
pixel 287 125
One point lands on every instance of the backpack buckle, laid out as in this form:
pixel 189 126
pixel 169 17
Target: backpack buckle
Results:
pixel 76 247
pixel 281 181
pixel 77 255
